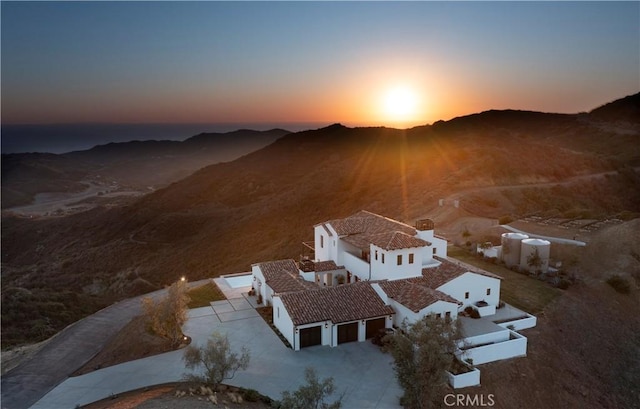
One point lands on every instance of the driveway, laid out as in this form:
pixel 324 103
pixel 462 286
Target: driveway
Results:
pixel 548 238
pixel 67 351
pixel 359 369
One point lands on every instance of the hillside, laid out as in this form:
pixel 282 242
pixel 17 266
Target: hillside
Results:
pixel 136 165
pixel 260 206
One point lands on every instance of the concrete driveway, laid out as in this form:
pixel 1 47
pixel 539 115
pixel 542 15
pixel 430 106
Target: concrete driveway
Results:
pixel 69 350
pixel 359 370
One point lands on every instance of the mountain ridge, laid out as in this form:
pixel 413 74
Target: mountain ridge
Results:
pixel 131 165
pixel 262 205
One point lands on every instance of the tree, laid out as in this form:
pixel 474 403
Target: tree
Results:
pixel 167 316
pixel 217 359
pixel 422 352
pixel 311 395
pixel 534 260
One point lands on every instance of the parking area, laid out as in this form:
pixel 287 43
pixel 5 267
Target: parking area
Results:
pixel 359 369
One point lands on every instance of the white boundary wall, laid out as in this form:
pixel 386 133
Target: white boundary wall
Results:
pixel 465 379
pixel 496 351
pixel 523 323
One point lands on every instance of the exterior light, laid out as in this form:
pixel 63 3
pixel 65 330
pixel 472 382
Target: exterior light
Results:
pixel 326 325
pixel 363 322
pixel 183 279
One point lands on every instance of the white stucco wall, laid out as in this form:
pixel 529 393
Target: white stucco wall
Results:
pixel 476 285
pixel 497 351
pixel 390 268
pixel 282 320
pixel 356 266
pixel 441 247
pixel 495 336
pixel 437 244
pixel 259 283
pixel 404 313
pixel 465 379
pixel 261 286
pixel 308 276
pixel 523 323
pixel 322 243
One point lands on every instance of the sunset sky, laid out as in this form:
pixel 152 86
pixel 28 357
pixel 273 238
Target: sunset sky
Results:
pixel 393 64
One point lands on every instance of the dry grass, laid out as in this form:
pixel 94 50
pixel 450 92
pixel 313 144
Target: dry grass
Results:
pixel 203 295
pixel 517 289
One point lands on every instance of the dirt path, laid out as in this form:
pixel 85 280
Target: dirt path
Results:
pixel 450 218
pixel 49 203
pixel 465 192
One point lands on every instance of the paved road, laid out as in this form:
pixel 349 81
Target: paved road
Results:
pixel 549 238
pixel 66 352
pixel 359 369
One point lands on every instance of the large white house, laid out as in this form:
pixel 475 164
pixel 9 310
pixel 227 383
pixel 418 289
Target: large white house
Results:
pixel 369 272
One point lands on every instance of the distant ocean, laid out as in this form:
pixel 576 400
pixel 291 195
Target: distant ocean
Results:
pixel 68 138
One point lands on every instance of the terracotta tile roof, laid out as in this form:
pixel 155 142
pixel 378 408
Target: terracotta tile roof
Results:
pixel 330 265
pixel 343 303
pixel 363 228
pixel 447 271
pixel 367 222
pixel 283 276
pixel 414 293
pixel 396 240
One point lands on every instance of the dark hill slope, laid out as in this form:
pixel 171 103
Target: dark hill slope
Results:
pixel 26 174
pixel 262 205
pixel 626 109
pixel 135 164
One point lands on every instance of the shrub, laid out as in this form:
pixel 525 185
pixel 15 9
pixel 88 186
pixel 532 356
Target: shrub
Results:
pixel 251 395
pixel 619 283
pixel 167 316
pixel 472 312
pixel 564 284
pixel 506 219
pixel 217 359
pixel 311 395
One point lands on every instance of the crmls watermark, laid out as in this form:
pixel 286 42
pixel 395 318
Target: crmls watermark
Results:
pixel 468 400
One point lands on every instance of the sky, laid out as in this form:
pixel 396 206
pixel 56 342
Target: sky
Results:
pixel 395 64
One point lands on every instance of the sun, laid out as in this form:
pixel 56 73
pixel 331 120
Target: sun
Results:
pixel 400 103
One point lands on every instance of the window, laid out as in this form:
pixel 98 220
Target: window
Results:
pixel 488 291
pixel 376 253
pixel 399 259
pixel 448 315
pixel 321 242
pixel 382 255
pixel 438 315
pixel 410 258
pixel 434 251
pixel 278 312
pixel 466 295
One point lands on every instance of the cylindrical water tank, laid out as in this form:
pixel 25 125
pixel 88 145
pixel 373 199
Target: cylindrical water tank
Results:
pixel 511 248
pixel 535 255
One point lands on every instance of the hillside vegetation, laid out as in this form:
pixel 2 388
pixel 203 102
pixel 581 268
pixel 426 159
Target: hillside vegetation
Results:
pixel 261 206
pixel 127 165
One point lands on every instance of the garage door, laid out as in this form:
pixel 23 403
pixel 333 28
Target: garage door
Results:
pixel 373 326
pixel 310 336
pixel 347 333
